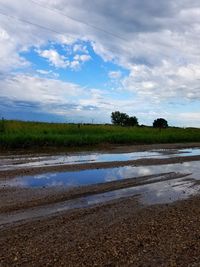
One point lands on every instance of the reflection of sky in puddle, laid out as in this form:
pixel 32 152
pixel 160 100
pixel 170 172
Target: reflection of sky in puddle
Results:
pixel 160 192
pixel 18 162
pixel 157 192
pixel 87 177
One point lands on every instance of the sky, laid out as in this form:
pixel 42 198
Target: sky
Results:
pixel 77 61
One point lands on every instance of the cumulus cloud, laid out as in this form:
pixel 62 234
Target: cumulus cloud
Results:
pixel 8 54
pixel 54 58
pixel 82 58
pixel 156 41
pixel 78 60
pixel 165 81
pixel 61 61
pixel 53 96
pixel 80 48
pixel 62 98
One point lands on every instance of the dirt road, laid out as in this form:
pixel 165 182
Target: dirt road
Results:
pixel 120 232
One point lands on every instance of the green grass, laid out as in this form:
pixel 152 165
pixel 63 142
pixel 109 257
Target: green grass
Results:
pixel 18 134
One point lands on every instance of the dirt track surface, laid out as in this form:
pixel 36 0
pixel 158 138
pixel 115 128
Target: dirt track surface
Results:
pixel 118 233
pixel 121 149
pixel 101 148
pixel 12 199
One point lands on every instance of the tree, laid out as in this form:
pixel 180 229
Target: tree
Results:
pixel 132 121
pixel 123 119
pixel 119 118
pixel 160 123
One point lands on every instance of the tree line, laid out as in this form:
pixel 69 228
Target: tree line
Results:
pixel 123 119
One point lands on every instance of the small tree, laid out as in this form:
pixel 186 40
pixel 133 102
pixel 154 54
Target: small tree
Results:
pixel 119 118
pixel 160 123
pixel 132 121
pixel 123 119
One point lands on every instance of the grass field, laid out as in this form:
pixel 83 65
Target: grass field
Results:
pixel 18 134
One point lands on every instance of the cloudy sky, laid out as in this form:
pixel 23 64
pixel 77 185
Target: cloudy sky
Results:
pixel 79 60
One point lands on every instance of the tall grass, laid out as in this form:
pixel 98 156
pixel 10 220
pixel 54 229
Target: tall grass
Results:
pixel 18 134
pixel 2 125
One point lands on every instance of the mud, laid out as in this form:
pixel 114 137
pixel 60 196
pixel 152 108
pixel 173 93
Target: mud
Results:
pixel 6 174
pixel 13 199
pixel 119 232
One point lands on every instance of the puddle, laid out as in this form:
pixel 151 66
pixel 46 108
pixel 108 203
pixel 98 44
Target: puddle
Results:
pixel 95 176
pixel 156 192
pixel 160 192
pixel 22 161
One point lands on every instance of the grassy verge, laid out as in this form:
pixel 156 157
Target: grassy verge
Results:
pixel 18 134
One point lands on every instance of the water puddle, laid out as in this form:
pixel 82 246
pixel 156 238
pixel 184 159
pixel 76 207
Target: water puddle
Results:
pixel 156 193
pixel 17 162
pixel 156 190
pixel 96 176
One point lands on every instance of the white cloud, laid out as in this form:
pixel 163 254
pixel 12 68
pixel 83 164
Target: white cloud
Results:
pixel 115 74
pixel 43 90
pixel 80 48
pixel 185 119
pixel 54 96
pixel 45 72
pixel 48 73
pixel 62 98
pixel 61 61
pixel 164 81
pixel 82 58
pixel 55 58
pixel 8 55
pixel 78 60
pixel 82 104
pixel 75 64
pixel 157 42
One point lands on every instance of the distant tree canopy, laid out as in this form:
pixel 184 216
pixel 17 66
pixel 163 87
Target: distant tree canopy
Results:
pixel 160 123
pixel 132 121
pixel 122 119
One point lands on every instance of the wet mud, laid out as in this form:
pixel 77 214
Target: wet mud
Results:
pixel 130 212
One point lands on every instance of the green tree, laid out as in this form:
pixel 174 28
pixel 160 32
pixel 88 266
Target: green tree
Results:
pixel 119 118
pixel 160 123
pixel 116 117
pixel 122 119
pixel 132 121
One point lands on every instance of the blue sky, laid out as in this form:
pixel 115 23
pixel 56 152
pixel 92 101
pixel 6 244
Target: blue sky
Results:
pixel 77 61
pixel 93 72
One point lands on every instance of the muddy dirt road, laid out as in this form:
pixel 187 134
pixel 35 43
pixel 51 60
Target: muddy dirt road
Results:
pixel 135 206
